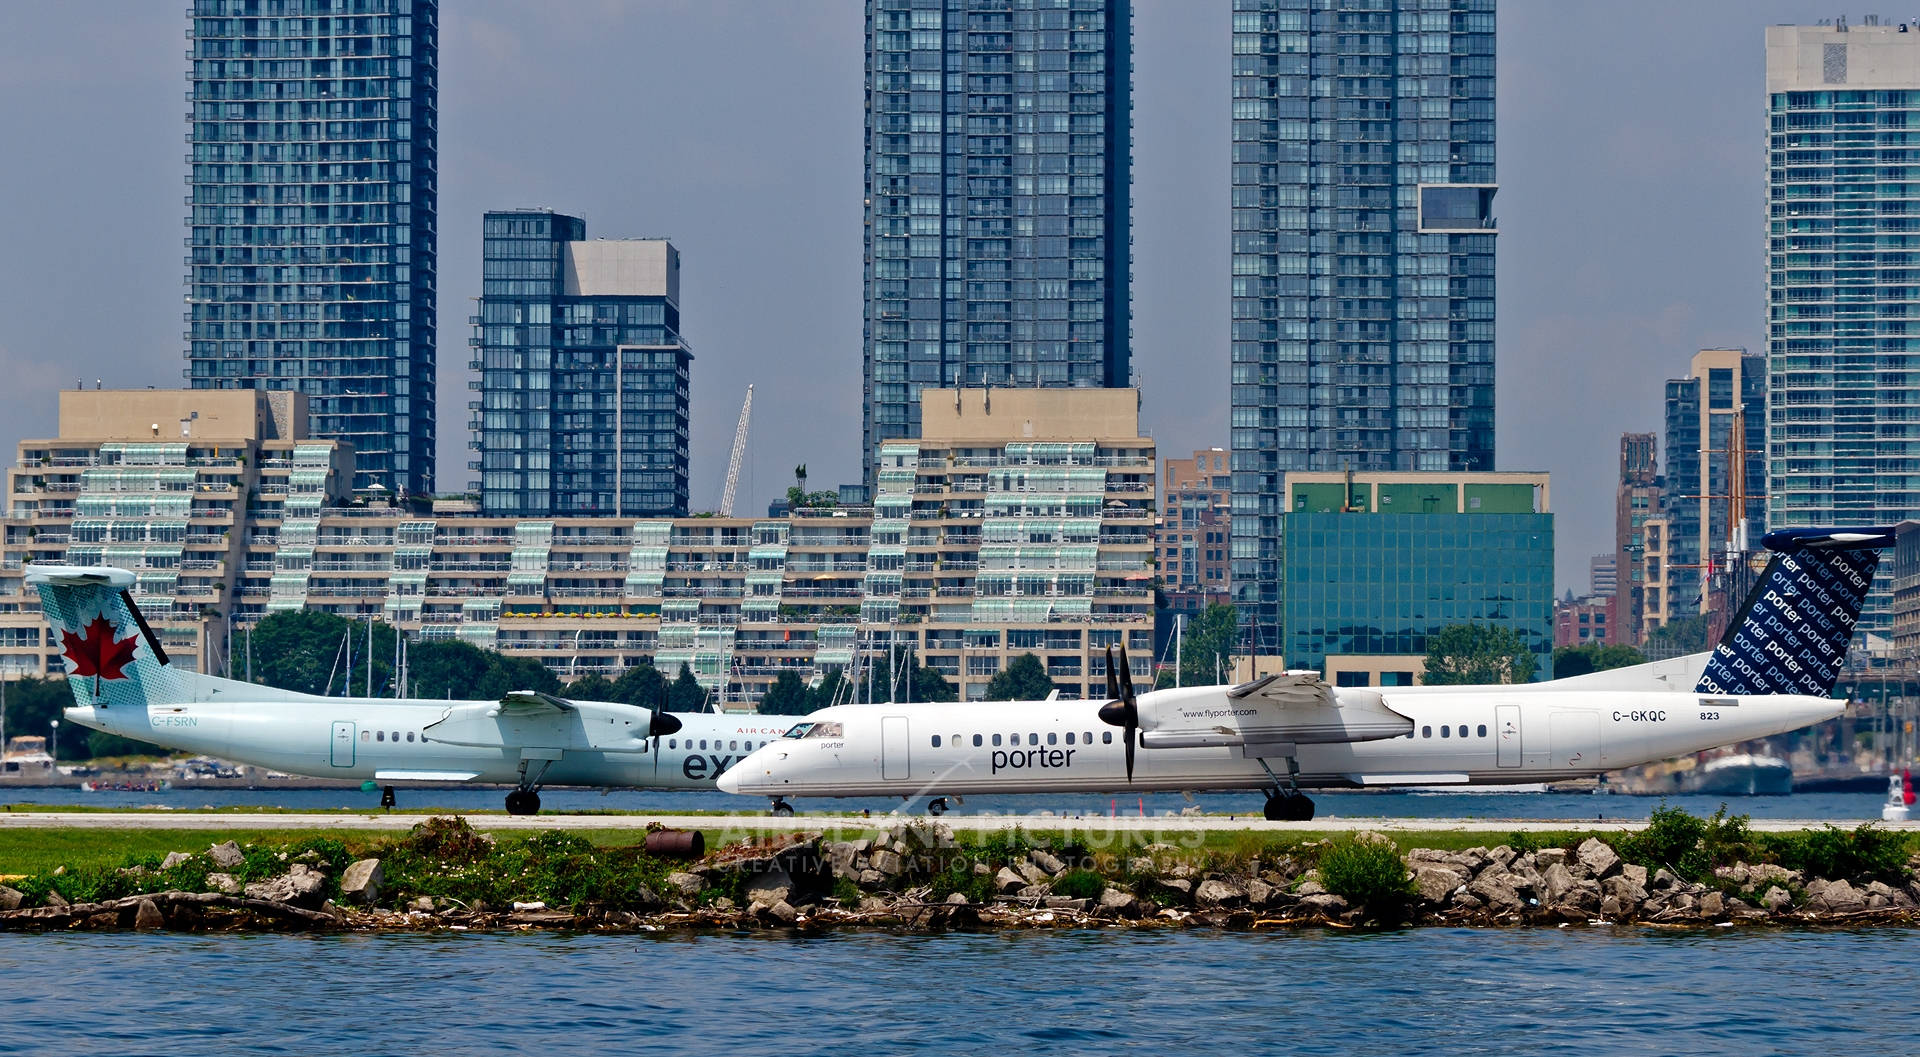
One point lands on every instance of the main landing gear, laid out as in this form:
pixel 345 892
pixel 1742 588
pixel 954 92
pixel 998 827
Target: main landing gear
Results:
pixel 780 808
pixel 525 798
pixel 1285 801
pixel 937 806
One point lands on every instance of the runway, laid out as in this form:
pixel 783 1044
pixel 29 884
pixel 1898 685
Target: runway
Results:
pixel 745 824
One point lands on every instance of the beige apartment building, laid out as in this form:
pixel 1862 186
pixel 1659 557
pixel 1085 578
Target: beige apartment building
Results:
pixel 1020 522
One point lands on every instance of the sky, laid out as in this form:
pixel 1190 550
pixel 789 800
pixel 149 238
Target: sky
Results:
pixel 1631 170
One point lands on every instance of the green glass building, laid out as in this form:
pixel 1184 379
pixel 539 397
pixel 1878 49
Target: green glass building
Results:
pixel 1375 563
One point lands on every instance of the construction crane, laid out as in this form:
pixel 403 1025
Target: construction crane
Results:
pixel 739 453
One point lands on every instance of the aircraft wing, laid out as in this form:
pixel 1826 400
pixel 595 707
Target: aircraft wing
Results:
pixel 1269 714
pixel 528 704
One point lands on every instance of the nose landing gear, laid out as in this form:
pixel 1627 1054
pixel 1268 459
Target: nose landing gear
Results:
pixel 937 806
pixel 780 808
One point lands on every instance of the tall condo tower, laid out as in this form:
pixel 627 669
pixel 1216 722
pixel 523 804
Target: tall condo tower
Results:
pixel 312 183
pixel 1363 251
pixel 998 159
pixel 1843 352
pixel 584 378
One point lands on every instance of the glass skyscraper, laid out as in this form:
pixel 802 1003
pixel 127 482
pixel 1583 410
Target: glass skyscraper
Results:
pixel 998 158
pixel 313 184
pixel 584 378
pixel 1363 251
pixel 1843 280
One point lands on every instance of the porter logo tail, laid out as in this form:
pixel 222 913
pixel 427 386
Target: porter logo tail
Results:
pixel 1791 635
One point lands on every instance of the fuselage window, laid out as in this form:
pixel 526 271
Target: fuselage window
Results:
pixel 396 735
pixel 673 743
pixel 1483 730
pixel 1445 731
pixel 733 746
pixel 977 739
pixel 1106 737
pixel 996 739
pixel 703 743
pixel 366 735
pixel 1052 738
pixel 936 741
pixel 1426 732
pixel 380 736
pixel 409 735
pixel 1069 737
pixel 1033 739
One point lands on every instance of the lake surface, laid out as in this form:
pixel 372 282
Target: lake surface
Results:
pixel 853 994
pixel 1489 804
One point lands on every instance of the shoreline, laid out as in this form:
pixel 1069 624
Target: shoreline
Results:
pixel 447 874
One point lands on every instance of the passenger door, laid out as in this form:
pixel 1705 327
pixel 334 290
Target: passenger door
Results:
pixel 894 764
pixel 342 743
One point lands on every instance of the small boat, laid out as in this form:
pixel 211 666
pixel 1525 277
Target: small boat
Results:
pixel 125 787
pixel 1743 774
pixel 1899 797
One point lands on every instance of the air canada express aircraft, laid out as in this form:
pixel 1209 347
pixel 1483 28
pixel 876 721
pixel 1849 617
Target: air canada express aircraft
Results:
pixel 122 684
pixel 1772 673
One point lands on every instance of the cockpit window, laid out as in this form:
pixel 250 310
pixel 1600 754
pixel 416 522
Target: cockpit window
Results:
pixel 824 730
pixel 799 730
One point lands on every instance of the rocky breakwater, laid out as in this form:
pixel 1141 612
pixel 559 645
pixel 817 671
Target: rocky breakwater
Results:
pixel 1679 871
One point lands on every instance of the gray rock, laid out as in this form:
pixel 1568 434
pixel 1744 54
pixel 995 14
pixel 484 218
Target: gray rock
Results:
pixel 1546 858
pixel 227 855
pixel 1613 909
pixel 687 884
pixel 1145 867
pixel 147 916
pixel 1324 903
pixel 1892 896
pixel 360 883
pixel 1735 874
pixel 1310 885
pixel 1492 887
pixel 1585 895
pixel 784 912
pixel 1501 856
pixel 889 863
pixel 174 858
pixel 223 882
pixel 1259 892
pixel 1776 899
pixel 1219 894
pixel 1078 906
pixel 300 885
pixel 1556 883
pixel 771 887
pixel 55 899
pixel 1034 874
pixel 1623 887
pixel 841 855
pixel 1436 882
pixel 10 899
pixel 1634 872
pixel 981 869
pixel 1598 857
pixel 958 899
pixel 871 879
pixel 1760 873
pixel 1046 861
pixel 1118 901
pixel 1034 892
pixel 861 846
pixel 1179 885
pixel 423 904
pixel 1008 881
pixel 1838 897
pixel 1663 881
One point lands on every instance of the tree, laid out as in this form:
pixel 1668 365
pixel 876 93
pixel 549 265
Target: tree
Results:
pixel 1569 661
pixel 641 685
pixel 590 687
pixel 1678 637
pixel 306 651
pixel 1208 644
pixel 798 496
pixel 786 697
pixel 506 674
pixel 34 703
pixel 445 668
pixel 686 694
pixel 914 683
pixel 1023 679
pixel 1475 654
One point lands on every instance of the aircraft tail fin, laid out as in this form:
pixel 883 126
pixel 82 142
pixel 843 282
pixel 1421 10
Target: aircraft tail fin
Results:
pixel 113 658
pixel 1791 634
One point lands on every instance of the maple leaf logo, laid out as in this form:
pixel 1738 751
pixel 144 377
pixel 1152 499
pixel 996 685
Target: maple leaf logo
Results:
pixel 97 653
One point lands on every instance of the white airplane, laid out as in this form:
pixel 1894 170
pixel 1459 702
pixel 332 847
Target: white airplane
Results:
pixel 122 684
pixel 1771 674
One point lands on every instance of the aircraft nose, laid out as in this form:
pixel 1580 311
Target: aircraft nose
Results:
pixel 729 780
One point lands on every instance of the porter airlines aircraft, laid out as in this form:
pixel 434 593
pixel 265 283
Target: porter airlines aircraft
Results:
pixel 1770 674
pixel 122 683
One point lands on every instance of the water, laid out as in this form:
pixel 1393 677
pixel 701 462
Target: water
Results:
pixel 1827 807
pixel 1316 992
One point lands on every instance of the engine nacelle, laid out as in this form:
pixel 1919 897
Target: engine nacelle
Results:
pixel 587 726
pixel 1296 709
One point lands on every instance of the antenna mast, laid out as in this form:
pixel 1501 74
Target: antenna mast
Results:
pixel 739 453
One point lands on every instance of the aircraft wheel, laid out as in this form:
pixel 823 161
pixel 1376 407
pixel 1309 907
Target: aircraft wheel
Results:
pixel 1276 809
pixel 937 806
pixel 523 802
pixel 1289 807
pixel 781 809
pixel 1302 809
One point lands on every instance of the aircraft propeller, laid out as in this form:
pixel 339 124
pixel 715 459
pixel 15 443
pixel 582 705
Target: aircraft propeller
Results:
pixel 662 724
pixel 1122 708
